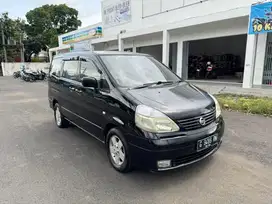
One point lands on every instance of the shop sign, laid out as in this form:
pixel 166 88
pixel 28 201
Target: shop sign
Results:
pixel 260 20
pixel 82 35
pixel 116 14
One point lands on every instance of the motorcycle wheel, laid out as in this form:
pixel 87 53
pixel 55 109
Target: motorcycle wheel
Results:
pixel 32 79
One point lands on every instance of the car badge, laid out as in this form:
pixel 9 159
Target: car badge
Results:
pixel 202 121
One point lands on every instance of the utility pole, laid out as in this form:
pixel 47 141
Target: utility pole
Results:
pixel 3 42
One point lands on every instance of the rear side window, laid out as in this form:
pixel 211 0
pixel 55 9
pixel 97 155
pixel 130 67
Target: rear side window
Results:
pixel 56 67
pixel 88 69
pixel 70 70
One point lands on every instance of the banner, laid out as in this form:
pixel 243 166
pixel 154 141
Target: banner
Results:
pixel 260 20
pixel 116 14
pixel 82 35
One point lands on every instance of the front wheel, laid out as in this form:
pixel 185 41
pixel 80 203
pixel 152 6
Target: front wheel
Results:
pixel 118 151
pixel 61 122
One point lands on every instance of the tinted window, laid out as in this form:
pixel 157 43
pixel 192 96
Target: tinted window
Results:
pixel 70 70
pixel 136 70
pixel 88 69
pixel 56 67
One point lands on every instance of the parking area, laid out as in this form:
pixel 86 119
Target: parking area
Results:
pixel 40 163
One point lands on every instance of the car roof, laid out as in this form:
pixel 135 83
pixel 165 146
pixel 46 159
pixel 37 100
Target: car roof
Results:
pixel 94 53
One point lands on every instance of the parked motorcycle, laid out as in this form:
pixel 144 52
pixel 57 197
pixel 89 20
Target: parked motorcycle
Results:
pixel 39 75
pixel 43 75
pixel 210 71
pixel 198 71
pixel 17 74
pixel 27 76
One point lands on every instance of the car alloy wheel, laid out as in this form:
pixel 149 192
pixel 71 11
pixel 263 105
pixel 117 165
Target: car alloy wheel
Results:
pixel 58 116
pixel 61 122
pixel 117 151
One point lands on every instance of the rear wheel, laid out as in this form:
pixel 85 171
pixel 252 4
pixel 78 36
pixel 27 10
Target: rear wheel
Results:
pixel 118 151
pixel 61 122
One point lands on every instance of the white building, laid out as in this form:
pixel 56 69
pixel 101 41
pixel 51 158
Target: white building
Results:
pixel 174 31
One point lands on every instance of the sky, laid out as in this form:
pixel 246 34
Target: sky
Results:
pixel 89 10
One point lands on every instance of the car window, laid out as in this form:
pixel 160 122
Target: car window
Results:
pixel 132 71
pixel 88 69
pixel 70 70
pixel 56 67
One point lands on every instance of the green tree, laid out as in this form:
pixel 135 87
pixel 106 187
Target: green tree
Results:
pixel 13 30
pixel 45 23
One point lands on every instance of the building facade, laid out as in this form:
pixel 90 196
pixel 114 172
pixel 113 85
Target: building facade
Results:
pixel 183 33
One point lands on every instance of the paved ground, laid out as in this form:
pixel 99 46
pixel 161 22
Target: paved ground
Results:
pixel 216 87
pixel 40 163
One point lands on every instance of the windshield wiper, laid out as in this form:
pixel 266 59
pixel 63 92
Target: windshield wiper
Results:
pixel 153 83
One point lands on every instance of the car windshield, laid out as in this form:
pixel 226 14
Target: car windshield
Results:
pixel 132 71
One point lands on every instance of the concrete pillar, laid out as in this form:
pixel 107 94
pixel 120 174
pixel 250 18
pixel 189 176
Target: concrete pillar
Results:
pixel 250 61
pixel 182 59
pixel 165 47
pixel 91 48
pixel 120 43
pixel 50 56
pixel 179 58
pixel 134 49
pixel 259 62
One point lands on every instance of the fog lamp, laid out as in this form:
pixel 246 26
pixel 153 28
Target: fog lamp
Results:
pixel 164 163
pixel 215 138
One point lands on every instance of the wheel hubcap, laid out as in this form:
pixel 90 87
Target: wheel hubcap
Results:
pixel 117 150
pixel 58 116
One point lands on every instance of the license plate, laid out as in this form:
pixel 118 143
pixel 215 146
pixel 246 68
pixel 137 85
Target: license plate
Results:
pixel 204 143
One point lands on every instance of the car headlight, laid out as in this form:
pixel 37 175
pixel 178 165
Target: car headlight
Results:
pixel 217 106
pixel 151 120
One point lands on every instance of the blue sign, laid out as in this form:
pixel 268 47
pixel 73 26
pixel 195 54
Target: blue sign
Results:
pixel 260 20
pixel 82 35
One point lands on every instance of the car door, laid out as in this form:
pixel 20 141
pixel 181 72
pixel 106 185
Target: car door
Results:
pixel 92 105
pixel 69 80
pixel 54 85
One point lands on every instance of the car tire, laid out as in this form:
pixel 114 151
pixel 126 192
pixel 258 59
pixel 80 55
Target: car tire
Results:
pixel 118 151
pixel 61 122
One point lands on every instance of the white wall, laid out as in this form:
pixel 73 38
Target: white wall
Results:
pixel 10 68
pixel 181 10
pixel 236 26
pixel 139 41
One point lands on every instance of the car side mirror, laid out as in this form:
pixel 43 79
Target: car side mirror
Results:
pixel 90 82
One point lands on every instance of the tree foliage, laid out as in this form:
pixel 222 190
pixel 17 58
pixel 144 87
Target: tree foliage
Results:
pixel 13 30
pixel 47 22
pixel 41 30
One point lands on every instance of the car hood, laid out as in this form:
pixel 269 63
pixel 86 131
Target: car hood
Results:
pixel 178 101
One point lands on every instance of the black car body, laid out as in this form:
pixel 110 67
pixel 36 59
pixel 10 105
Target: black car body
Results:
pixel 133 118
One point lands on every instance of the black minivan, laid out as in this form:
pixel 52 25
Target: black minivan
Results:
pixel 145 114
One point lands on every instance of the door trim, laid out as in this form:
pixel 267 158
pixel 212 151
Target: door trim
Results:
pixel 86 131
pixel 83 118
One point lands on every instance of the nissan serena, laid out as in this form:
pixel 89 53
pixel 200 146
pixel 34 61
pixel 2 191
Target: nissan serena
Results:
pixel 145 114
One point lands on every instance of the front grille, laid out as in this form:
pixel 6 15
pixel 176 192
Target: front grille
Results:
pixel 194 122
pixel 192 157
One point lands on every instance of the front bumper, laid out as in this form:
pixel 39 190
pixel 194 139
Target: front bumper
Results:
pixel 180 150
